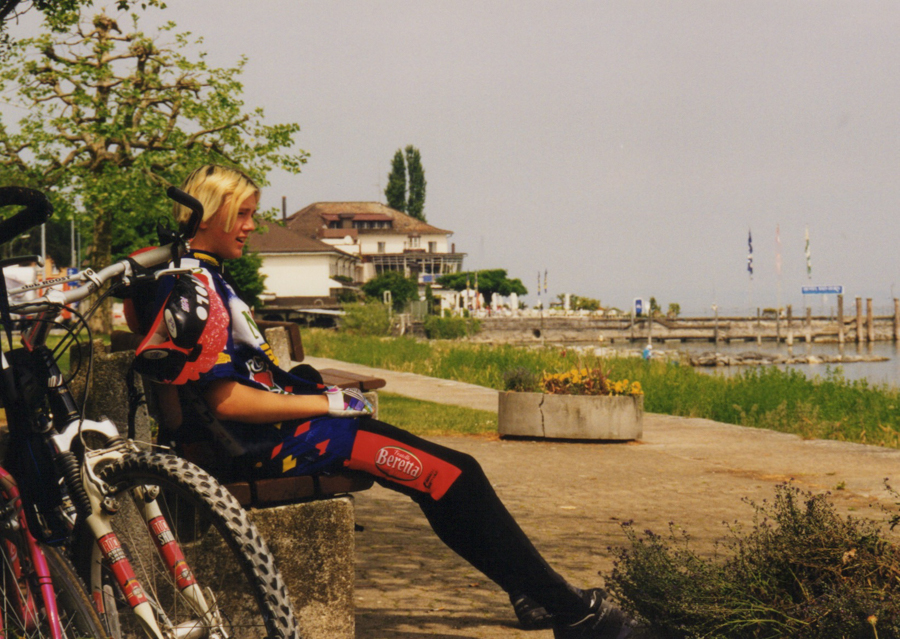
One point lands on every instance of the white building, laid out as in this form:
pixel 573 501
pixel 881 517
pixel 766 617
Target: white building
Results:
pixel 384 239
pixel 302 271
pixel 329 246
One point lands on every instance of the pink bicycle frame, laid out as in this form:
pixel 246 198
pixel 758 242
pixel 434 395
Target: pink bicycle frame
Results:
pixel 25 603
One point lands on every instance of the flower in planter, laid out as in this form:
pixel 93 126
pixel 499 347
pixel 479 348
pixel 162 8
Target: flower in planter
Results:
pixel 587 381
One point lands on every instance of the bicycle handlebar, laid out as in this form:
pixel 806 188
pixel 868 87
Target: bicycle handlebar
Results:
pixel 193 204
pixel 93 281
pixel 37 211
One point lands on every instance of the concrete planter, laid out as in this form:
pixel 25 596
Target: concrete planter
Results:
pixel 601 417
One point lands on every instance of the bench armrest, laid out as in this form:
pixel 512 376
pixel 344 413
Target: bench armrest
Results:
pixel 293 332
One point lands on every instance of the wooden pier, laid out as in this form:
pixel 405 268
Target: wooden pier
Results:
pixel 862 326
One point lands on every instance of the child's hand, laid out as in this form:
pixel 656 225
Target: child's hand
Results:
pixel 348 402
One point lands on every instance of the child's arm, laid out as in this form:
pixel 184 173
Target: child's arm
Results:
pixel 236 402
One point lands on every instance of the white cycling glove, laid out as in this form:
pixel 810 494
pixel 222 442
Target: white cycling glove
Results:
pixel 347 402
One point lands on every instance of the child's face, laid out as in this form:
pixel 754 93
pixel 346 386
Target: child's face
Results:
pixel 213 238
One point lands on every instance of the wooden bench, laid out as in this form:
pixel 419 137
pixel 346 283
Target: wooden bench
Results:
pixel 307 521
pixel 331 376
pixel 263 493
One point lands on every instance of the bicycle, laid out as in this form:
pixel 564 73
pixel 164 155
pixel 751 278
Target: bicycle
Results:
pixel 40 593
pixel 192 565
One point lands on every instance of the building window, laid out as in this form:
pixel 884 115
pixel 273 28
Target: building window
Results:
pixel 381 247
pixel 415 241
pixel 432 247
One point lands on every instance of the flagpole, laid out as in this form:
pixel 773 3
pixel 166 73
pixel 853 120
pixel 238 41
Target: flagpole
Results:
pixel 750 269
pixel 778 264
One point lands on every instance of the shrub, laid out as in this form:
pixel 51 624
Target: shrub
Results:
pixel 521 380
pixel 366 319
pixel 449 327
pixel 403 289
pixel 800 571
pixel 248 282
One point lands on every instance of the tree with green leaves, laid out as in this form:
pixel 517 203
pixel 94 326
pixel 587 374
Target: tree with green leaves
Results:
pixel 578 303
pixel 395 191
pixel 403 289
pixel 489 281
pixel 114 117
pixel 244 275
pixel 415 202
pixel 405 190
pixel 60 10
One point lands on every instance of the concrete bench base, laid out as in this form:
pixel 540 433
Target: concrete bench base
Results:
pixel 570 416
pixel 313 542
pixel 313 545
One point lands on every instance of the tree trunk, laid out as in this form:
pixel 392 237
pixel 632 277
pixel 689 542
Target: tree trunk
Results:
pixel 101 256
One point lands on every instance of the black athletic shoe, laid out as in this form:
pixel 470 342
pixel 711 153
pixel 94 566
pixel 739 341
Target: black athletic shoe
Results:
pixel 531 615
pixel 604 621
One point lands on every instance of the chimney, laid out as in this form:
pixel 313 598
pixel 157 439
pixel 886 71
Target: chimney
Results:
pixel 283 207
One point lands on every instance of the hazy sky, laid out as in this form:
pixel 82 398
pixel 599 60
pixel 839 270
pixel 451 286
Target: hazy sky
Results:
pixel 626 147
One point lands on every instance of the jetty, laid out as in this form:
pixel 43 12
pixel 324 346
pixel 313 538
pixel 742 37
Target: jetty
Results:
pixel 861 327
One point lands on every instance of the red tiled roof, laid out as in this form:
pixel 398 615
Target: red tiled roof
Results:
pixel 278 239
pixel 308 220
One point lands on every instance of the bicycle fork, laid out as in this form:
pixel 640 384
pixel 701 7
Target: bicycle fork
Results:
pixel 208 623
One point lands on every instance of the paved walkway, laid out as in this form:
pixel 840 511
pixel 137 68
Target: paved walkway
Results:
pixel 572 499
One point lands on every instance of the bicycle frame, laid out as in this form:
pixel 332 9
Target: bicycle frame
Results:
pixel 60 439
pixel 44 420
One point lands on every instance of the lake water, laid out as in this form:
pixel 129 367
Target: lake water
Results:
pixel 887 372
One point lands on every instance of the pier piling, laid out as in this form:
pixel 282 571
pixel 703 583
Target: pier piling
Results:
pixel 896 319
pixel 870 321
pixel 860 336
pixel 808 325
pixel 840 318
pixel 790 327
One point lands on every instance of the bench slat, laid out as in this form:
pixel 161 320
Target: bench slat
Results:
pixel 282 490
pixel 346 379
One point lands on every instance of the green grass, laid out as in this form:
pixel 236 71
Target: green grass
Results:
pixel 829 407
pixel 427 418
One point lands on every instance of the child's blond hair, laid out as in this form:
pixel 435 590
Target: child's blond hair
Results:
pixel 213 185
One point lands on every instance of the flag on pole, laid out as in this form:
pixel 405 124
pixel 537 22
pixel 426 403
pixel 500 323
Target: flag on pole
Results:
pixel 539 283
pixel 545 281
pixel 750 253
pixel 778 250
pixel 808 259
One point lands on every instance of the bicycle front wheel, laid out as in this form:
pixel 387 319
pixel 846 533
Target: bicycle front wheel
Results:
pixel 243 592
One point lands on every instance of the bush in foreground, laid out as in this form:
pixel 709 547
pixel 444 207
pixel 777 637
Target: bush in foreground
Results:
pixel 800 571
